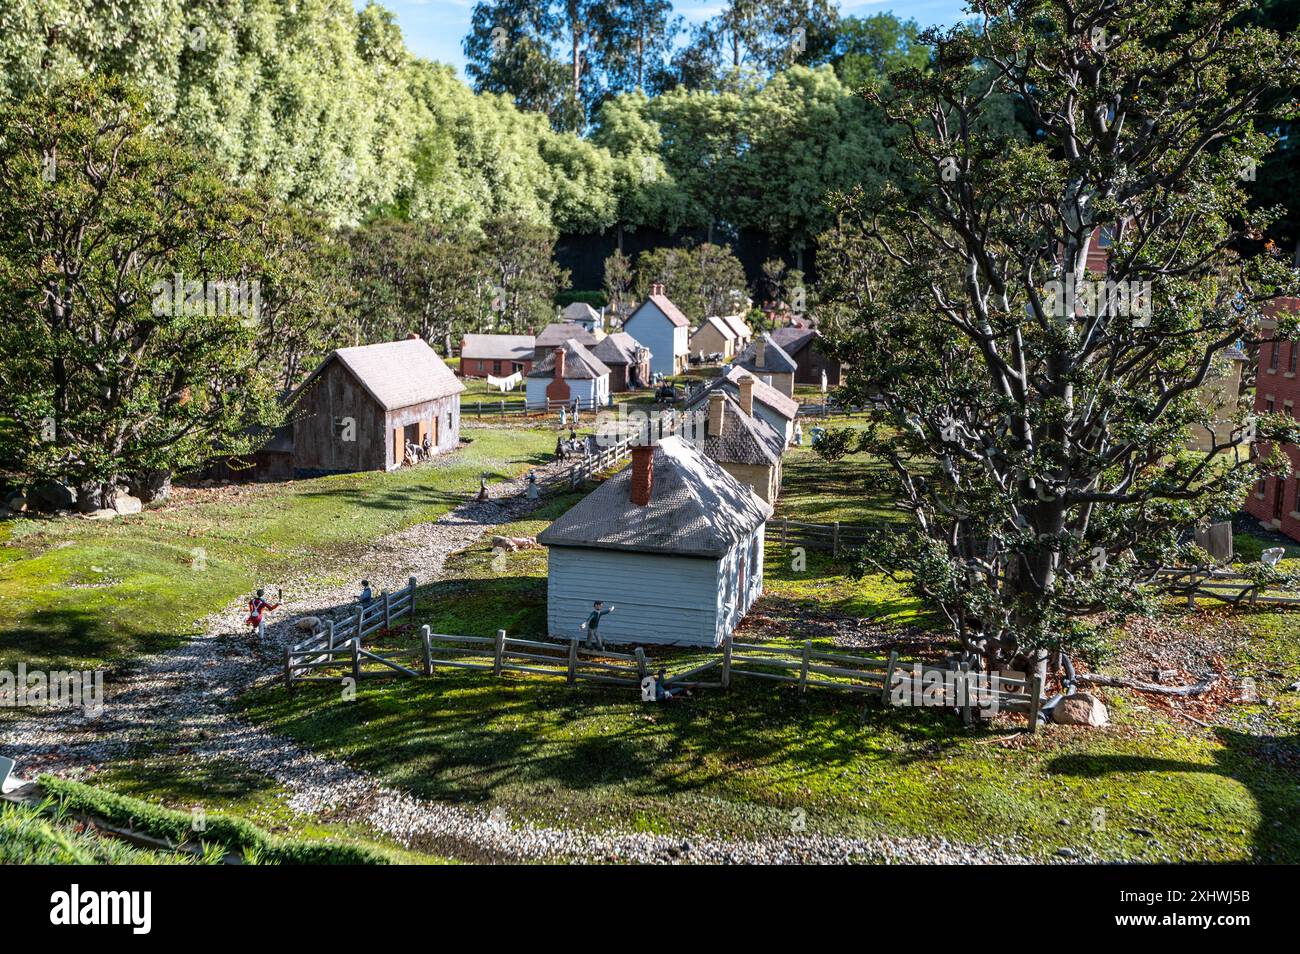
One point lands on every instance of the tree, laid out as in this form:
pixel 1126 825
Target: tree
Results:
pixel 632 43
pixel 701 281
pixel 1036 413
pixel 129 305
pixel 760 35
pixel 618 281
pixel 869 48
pixel 519 275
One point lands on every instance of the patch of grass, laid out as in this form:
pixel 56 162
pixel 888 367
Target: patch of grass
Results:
pixel 82 594
pixel 31 836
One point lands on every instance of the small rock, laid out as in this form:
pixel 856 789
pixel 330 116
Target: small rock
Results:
pixel 16 502
pixel 1066 852
pixel 104 514
pixel 1082 708
pixel 125 503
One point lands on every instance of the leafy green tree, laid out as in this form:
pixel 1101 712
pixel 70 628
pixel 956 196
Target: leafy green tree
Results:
pixel 128 309
pixel 869 48
pixel 518 275
pixel 618 277
pixel 1035 413
pixel 759 35
pixel 704 280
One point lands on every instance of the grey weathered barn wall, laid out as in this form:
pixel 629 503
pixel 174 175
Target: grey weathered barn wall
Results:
pixel 317 448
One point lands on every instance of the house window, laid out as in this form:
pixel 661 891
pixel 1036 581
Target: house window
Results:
pixel 1268 404
pixel 1273 355
pixel 496 368
pixel 1295 352
pixel 1279 491
pixel 515 366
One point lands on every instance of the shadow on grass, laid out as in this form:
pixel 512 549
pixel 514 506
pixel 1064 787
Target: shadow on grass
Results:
pixel 1267 766
pixel 70 635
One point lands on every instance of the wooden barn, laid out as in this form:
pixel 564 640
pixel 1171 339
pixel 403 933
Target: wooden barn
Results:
pixel 673 542
pixel 363 405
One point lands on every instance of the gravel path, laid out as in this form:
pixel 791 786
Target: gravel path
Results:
pixel 186 689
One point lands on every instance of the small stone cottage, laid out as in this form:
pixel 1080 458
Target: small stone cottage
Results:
pixel 674 543
pixel 756 398
pixel 744 446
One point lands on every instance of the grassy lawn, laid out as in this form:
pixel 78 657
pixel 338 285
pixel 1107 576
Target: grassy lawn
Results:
pixel 83 593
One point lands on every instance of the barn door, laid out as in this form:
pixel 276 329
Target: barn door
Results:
pixel 399 447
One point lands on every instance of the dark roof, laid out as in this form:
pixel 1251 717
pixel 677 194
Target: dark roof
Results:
pixel 580 311
pixel 619 347
pixel 775 360
pixel 764 393
pixel 667 307
pixel 696 509
pixel 793 340
pixel 744 439
pixel 555 334
pixel 498 347
pixel 395 373
pixel 579 363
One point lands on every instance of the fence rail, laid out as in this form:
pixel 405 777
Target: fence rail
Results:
pixel 1227 586
pixel 589 468
pixel 886 680
pixel 503 407
pixel 343 640
pixel 818 536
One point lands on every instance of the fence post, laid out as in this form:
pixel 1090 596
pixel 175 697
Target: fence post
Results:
pixel 726 661
pixel 356 661
pixel 1035 700
pixel 411 605
pixel 501 648
pixel 288 670
pixel 427 640
pixel 573 659
pixel 332 644
pixel 388 612
pixel 503 405
pixel 803 670
pixel 641 668
pixel 889 676
pixel 835 540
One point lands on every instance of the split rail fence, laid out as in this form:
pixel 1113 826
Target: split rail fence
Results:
pixel 889 680
pixel 1227 586
pixel 817 536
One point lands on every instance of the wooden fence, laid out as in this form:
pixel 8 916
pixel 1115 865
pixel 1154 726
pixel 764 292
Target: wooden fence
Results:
pixel 1226 586
pixel 591 467
pixel 503 407
pixel 890 681
pixel 333 642
pixel 817 536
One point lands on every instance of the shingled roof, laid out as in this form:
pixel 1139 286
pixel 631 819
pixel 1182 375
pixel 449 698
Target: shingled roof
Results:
pixel 580 311
pixel 395 373
pixel 792 339
pixel 737 324
pixel 775 360
pixel 764 393
pixel 618 347
pixel 498 347
pixel 744 439
pixel 671 311
pixel 554 335
pixel 696 509
pixel 579 363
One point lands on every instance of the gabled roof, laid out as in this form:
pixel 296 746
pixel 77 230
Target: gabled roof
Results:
pixel 775 360
pixel 794 339
pixel 554 335
pixel 737 324
pixel 721 327
pixel 671 312
pixel 580 311
pixel 764 393
pixel 579 363
pixel 618 347
pixel 744 439
pixel 395 373
pixel 696 509
pixel 498 347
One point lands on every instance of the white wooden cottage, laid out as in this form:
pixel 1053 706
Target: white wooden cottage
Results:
pixel 673 542
pixel 659 325
pixel 569 373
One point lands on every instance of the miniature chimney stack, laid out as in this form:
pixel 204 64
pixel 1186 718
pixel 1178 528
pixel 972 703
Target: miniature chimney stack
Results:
pixel 559 363
pixel 747 394
pixel 760 352
pixel 643 473
pixel 717 411
pixel 656 289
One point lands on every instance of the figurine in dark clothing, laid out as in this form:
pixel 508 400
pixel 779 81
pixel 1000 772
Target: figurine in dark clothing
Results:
pixel 592 625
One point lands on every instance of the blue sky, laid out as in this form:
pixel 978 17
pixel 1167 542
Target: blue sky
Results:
pixel 434 28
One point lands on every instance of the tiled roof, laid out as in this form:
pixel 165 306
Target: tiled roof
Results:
pixel 579 363
pixel 556 334
pixel 792 340
pixel 580 311
pixel 764 393
pixel 670 310
pixel 737 324
pixel 775 360
pixel 696 509
pixel 618 348
pixel 744 439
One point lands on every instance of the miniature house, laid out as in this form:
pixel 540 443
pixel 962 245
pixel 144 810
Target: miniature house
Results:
pixel 552 336
pixel 363 405
pixel 756 398
pixel 769 363
pixel 714 336
pixel 569 374
pixel 674 543
pixel 744 446
pixel 627 359
pixel 660 326
pixel 496 355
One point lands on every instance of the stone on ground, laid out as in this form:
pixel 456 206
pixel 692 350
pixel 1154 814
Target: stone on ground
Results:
pixel 1082 708
pixel 125 503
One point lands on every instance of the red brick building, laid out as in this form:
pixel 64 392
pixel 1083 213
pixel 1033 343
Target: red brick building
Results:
pixel 1276 501
pixel 497 355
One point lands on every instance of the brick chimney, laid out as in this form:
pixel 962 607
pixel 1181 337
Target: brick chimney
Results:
pixel 656 289
pixel 747 394
pixel 558 389
pixel 643 473
pixel 760 352
pixel 717 411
